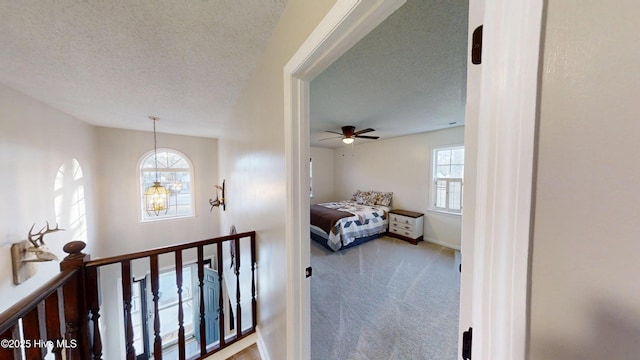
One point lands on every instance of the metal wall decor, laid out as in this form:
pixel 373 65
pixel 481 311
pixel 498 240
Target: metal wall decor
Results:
pixel 219 201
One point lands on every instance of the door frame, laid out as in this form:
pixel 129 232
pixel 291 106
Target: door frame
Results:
pixel 505 134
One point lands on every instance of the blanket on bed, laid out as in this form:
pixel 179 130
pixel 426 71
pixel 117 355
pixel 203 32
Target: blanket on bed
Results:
pixel 326 218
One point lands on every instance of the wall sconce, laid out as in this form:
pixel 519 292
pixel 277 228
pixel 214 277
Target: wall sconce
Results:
pixel 25 254
pixel 219 201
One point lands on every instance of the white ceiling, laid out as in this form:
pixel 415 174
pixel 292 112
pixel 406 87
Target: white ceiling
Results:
pixel 114 63
pixel 407 76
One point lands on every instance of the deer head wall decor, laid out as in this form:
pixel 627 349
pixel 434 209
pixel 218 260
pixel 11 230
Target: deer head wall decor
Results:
pixel 26 253
pixel 39 248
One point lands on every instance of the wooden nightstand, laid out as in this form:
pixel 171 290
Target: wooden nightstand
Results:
pixel 406 225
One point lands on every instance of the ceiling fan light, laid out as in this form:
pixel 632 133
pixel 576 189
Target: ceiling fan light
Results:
pixel 347 140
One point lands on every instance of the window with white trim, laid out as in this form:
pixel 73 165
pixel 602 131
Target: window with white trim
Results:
pixel 448 172
pixel 175 173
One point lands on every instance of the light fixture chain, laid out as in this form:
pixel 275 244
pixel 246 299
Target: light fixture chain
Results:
pixel 155 147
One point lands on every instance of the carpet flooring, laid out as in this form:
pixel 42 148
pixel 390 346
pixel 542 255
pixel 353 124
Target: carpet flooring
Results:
pixel 385 299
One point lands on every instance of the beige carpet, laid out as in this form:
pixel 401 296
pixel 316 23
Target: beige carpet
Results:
pixel 385 299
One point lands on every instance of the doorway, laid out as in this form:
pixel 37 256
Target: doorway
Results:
pixel 405 82
pixel 169 307
pixel 504 117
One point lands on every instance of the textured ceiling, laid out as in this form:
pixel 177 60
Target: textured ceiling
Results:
pixel 113 63
pixel 407 76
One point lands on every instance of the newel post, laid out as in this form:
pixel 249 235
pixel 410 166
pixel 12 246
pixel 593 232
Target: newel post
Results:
pixel 75 303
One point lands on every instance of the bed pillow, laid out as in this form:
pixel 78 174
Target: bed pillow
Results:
pixel 361 197
pixel 384 198
pixel 365 197
pixel 371 198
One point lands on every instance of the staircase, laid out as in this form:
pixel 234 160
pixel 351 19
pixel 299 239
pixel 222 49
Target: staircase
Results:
pixel 196 291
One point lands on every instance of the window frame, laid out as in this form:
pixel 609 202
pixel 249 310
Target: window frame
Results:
pixel 141 186
pixel 433 198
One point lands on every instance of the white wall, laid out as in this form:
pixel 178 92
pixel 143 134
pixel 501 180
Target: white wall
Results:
pixel 120 230
pixel 323 190
pixel 401 165
pixel 585 294
pixel 36 142
pixel 253 162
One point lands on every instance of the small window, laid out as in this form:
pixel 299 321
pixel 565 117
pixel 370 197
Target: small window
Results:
pixel 175 173
pixel 448 172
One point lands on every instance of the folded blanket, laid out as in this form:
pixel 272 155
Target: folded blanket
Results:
pixel 326 218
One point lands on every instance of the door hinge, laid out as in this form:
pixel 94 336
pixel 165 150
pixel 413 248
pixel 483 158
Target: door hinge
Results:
pixel 466 344
pixel 308 271
pixel 476 46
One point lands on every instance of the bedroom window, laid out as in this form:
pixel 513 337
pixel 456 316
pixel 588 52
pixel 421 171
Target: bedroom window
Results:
pixel 175 173
pixel 448 172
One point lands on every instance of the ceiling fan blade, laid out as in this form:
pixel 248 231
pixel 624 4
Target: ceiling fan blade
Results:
pixel 333 137
pixel 364 131
pixel 333 132
pixel 367 137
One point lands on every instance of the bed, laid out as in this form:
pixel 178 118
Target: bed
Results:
pixel 344 224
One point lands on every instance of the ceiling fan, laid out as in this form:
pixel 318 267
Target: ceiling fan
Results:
pixel 349 134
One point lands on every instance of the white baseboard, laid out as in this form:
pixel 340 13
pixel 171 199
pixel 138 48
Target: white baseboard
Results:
pixel 442 243
pixel 262 348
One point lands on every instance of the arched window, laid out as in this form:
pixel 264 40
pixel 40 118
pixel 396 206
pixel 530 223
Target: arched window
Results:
pixel 175 173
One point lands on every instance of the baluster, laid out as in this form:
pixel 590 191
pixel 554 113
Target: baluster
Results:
pixel 220 298
pixel 31 327
pixel 238 307
pixel 254 305
pixel 54 322
pixel 7 352
pixel 155 284
pixel 181 347
pixel 126 301
pixel 93 305
pixel 203 330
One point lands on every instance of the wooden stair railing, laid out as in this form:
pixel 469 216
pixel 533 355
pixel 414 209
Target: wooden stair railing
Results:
pixel 51 317
pixel 65 312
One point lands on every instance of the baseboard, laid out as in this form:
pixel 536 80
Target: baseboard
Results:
pixel 441 243
pixel 262 348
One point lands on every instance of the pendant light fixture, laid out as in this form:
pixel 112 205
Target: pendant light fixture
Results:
pixel 156 197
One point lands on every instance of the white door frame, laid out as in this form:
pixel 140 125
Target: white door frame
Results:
pixel 505 159
pixel 504 179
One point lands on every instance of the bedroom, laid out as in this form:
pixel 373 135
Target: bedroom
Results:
pixel 414 100
pixel 413 88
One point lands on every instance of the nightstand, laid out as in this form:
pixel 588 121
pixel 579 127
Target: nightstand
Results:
pixel 406 225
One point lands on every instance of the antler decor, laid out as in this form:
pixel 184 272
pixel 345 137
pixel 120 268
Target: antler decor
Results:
pixel 39 248
pixel 23 265
pixel 40 235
